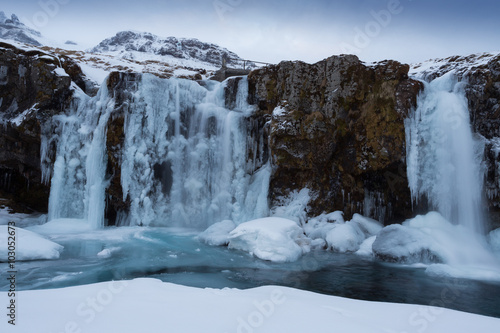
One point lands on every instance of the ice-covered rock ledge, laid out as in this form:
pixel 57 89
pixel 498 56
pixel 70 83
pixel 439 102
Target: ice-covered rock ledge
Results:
pixel 149 305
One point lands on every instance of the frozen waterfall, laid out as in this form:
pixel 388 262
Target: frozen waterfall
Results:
pixel 444 157
pixel 184 159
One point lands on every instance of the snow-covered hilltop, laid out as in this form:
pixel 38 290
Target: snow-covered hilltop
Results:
pixel 430 69
pixel 13 29
pixel 181 51
pixel 127 51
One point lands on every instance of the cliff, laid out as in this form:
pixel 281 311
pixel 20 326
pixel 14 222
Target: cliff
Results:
pixel 33 87
pixel 337 128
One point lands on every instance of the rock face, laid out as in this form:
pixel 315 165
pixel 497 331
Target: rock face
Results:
pixel 483 93
pixel 30 92
pixel 337 129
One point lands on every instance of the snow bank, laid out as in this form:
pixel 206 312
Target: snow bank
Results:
pixel 271 238
pixel 397 243
pixel 432 238
pixel 366 248
pixel 149 305
pixel 217 234
pixel 451 250
pixel 342 236
pixel 29 245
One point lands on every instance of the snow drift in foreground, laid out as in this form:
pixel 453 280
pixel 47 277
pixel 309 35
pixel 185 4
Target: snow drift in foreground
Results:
pixel 29 245
pixel 149 305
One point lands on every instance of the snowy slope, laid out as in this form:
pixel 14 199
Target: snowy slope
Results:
pixel 188 52
pixel 12 29
pixel 430 69
pixel 127 51
pixel 149 305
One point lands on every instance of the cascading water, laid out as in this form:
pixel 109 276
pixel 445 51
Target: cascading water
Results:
pixel 444 159
pixel 445 164
pixel 77 184
pixel 183 133
pixel 183 163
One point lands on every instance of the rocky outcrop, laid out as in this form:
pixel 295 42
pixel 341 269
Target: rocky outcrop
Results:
pixel 31 91
pixel 337 128
pixel 483 94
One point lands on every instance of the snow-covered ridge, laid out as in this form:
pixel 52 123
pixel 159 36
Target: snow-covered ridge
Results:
pixel 144 45
pixel 13 29
pixel 430 69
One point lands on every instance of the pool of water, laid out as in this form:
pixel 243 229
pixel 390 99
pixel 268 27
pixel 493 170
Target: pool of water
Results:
pixel 177 256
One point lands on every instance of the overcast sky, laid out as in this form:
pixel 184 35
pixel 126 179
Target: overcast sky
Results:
pixel 272 30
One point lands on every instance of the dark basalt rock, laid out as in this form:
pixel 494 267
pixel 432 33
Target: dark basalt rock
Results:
pixel 339 132
pixel 30 93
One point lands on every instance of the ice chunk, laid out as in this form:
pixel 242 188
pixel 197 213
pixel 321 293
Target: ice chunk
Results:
pixel 365 249
pixel 271 238
pixel 345 237
pixel 29 245
pixel 368 226
pixel 217 234
pixel 398 243
pixel 341 236
pixel 293 206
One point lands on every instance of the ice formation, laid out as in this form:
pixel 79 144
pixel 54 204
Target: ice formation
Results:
pixel 184 160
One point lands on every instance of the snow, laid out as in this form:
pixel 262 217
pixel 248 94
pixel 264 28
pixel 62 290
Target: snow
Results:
pixel 460 64
pixel 344 238
pixel 60 72
pixel 96 74
pixel 341 236
pixel 279 111
pixel 366 248
pixel 62 226
pixel 431 239
pixel 149 305
pixel 18 120
pixel 293 206
pixel 28 245
pixel 271 238
pixel 218 233
pixel 397 243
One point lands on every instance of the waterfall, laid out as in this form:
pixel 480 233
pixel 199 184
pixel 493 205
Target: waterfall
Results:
pixel 77 182
pixel 184 159
pixel 444 157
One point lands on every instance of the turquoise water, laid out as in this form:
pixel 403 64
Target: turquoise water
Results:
pixel 176 256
